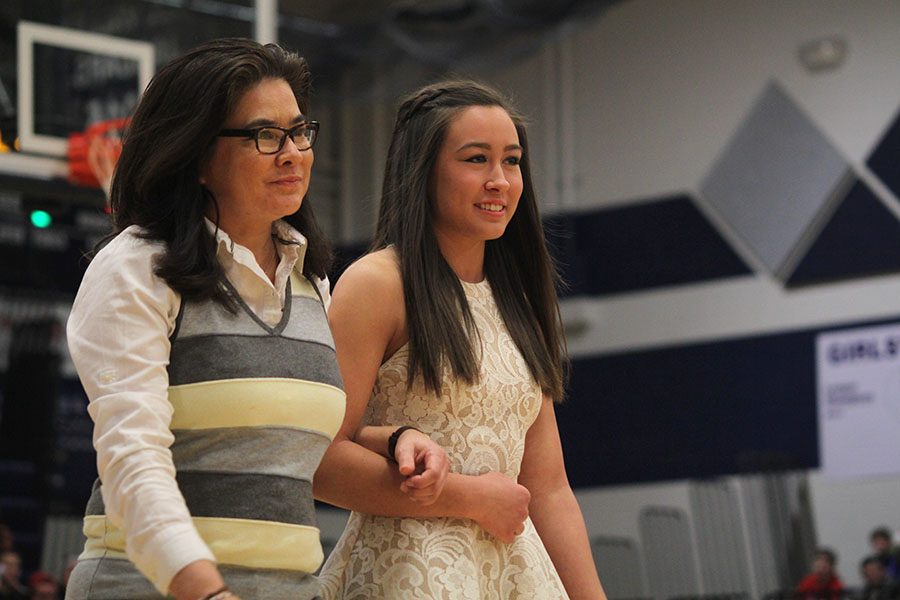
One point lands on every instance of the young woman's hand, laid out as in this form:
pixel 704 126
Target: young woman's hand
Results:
pixel 500 506
pixel 424 465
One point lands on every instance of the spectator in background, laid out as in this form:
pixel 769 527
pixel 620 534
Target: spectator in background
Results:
pixel 7 541
pixel 11 587
pixel 43 586
pixel 878 586
pixel 823 581
pixel 884 550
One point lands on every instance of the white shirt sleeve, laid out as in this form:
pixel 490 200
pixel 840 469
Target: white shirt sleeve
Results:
pixel 118 336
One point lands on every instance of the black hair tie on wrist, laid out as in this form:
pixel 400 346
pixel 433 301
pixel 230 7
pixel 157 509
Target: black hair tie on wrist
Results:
pixel 392 441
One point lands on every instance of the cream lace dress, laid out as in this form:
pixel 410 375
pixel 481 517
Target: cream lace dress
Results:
pixel 482 427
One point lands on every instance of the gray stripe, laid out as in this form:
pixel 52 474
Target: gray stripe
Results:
pixel 95 502
pixel 257 497
pixel 237 496
pixel 117 579
pixel 109 579
pixel 270 584
pixel 243 496
pixel 250 450
pixel 210 358
pixel 307 321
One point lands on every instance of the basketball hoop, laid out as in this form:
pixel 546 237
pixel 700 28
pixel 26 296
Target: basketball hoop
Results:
pixel 92 154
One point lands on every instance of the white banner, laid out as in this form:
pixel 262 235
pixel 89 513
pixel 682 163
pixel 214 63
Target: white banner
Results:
pixel 859 401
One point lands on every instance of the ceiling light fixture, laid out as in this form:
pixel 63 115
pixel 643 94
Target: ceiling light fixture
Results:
pixel 823 54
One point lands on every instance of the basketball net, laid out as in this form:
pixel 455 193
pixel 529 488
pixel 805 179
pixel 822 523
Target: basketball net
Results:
pixel 92 154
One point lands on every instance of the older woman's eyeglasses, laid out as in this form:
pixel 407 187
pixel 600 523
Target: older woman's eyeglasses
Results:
pixel 270 139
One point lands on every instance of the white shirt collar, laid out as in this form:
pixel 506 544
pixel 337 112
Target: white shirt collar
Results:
pixel 290 240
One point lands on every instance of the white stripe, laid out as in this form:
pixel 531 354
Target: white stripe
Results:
pixel 722 309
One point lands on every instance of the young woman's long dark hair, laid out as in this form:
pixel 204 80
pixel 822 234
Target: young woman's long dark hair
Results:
pixel 517 264
pixel 156 183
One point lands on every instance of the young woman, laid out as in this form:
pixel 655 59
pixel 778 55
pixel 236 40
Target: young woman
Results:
pixel 200 336
pixel 451 326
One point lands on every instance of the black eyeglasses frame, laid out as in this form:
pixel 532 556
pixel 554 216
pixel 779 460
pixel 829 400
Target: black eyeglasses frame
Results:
pixel 253 134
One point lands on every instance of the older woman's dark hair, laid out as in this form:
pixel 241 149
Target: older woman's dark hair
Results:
pixel 156 184
pixel 518 265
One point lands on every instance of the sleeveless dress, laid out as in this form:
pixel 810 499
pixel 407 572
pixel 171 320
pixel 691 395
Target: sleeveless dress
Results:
pixel 482 428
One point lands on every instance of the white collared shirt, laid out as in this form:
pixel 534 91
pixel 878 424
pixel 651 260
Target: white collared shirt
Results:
pixel 245 273
pixel 118 335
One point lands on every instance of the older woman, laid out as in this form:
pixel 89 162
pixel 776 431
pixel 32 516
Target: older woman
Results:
pixel 200 336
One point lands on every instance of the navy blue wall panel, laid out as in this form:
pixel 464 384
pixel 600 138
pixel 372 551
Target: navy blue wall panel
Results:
pixel 702 410
pixel 637 247
pixel 861 238
pixel 691 411
pixel 885 158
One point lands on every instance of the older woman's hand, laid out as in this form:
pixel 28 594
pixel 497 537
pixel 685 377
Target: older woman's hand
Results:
pixel 424 464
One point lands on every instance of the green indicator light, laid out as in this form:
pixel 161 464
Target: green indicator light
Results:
pixel 41 219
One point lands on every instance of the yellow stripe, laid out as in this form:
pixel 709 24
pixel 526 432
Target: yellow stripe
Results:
pixel 254 402
pixel 240 542
pixel 103 538
pixel 93 549
pixel 261 544
pixel 301 286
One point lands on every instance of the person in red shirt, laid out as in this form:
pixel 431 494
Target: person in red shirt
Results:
pixel 823 581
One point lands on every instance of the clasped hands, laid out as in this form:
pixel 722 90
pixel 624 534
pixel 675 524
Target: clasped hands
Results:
pixel 494 501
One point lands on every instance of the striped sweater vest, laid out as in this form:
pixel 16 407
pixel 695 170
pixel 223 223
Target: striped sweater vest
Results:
pixel 255 407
